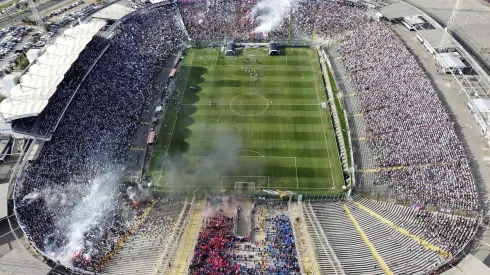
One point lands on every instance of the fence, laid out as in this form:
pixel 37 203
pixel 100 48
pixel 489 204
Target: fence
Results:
pixel 342 144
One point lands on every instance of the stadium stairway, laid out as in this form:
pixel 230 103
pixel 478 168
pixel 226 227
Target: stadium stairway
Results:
pixel 401 253
pixel 142 251
pixel 404 218
pixel 345 240
pixel 371 237
pixel 325 256
pixel 185 252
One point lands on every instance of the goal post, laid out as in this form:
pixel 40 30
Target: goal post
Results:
pixel 245 185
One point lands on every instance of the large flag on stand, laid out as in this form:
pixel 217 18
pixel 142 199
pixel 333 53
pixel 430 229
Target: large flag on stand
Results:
pixel 417 206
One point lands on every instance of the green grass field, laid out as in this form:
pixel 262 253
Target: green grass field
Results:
pixel 233 132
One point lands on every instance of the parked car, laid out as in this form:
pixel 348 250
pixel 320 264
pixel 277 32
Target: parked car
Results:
pixel 39 44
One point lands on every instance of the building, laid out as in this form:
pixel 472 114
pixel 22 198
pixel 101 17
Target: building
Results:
pixel 451 62
pixel 480 109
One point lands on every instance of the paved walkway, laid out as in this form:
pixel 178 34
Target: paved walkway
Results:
pixel 472 22
pixel 188 243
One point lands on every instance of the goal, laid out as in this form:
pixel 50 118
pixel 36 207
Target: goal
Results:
pixel 244 187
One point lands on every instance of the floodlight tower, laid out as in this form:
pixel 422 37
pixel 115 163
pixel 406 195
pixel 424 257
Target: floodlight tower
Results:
pixel 37 16
pixel 447 36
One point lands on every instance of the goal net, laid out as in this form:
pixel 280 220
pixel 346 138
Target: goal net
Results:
pixel 244 187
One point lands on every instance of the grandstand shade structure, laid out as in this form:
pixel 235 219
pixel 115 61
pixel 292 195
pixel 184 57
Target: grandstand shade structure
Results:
pixel 31 95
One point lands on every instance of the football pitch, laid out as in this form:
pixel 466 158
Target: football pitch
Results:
pixel 248 123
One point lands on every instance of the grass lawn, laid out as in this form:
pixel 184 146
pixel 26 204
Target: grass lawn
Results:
pixel 248 122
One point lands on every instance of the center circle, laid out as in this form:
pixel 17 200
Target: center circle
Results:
pixel 249 104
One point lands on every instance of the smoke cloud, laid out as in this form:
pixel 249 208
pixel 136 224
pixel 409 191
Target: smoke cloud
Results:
pixel 269 14
pixel 83 212
pixel 219 158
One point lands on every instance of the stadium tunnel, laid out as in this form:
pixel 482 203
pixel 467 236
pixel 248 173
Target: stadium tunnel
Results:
pixel 230 49
pixel 274 49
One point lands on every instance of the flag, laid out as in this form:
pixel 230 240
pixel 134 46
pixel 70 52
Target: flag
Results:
pixel 417 206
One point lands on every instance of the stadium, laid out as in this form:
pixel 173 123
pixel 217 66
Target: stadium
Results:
pixel 247 137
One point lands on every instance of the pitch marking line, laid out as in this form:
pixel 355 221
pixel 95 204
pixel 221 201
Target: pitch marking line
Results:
pixel 222 177
pixel 259 156
pixel 271 187
pixel 176 117
pixel 266 105
pixel 295 163
pixel 323 124
pixel 251 151
pixel 227 104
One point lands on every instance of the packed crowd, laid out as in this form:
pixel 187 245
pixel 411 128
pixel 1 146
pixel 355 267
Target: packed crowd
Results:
pixel 281 247
pixel 326 18
pixel 216 20
pixel 44 124
pixel 406 122
pixel 449 232
pixel 212 252
pixel 93 138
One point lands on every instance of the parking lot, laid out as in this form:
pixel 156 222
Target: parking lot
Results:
pixel 16 40
pixel 13 42
pixel 56 14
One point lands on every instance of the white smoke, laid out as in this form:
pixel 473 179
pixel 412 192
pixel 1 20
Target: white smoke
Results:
pixel 89 216
pixel 269 14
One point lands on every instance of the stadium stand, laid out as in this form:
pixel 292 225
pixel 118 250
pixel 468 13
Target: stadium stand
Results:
pixel 94 134
pixel 352 252
pixel 448 231
pixel 418 155
pixel 44 124
pixel 405 239
pixel 141 253
pixel 326 257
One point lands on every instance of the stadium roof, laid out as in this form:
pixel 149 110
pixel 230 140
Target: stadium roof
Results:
pixel 19 262
pixel 113 12
pixel 398 10
pixel 434 36
pixel 483 105
pixel 39 83
pixel 3 199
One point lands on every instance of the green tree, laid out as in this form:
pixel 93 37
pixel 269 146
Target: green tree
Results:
pixel 24 62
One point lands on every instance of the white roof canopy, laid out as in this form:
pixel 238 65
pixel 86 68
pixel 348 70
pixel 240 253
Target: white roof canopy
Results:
pixel 483 105
pixel 451 60
pixel 38 84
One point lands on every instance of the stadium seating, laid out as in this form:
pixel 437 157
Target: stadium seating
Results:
pixel 326 257
pixel 142 252
pixel 402 253
pixel 449 232
pixel 345 240
pixel 393 246
pixel 103 121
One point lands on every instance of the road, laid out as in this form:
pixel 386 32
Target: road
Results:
pixel 41 8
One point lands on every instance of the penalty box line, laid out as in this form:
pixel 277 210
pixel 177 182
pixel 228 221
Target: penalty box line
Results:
pixel 261 156
pixel 268 183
